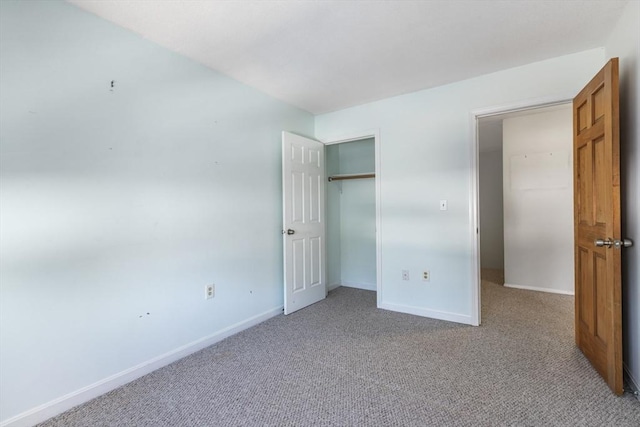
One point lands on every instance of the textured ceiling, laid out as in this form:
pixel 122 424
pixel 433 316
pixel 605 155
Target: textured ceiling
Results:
pixel 326 55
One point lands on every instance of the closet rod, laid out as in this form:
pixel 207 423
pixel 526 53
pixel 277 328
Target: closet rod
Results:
pixel 353 176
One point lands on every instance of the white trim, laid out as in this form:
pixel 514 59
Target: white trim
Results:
pixel 68 401
pixel 425 312
pixel 356 136
pixel 474 221
pixel 474 213
pixel 352 136
pixel 357 285
pixel 528 104
pixel 631 381
pixel 538 289
pixel 378 218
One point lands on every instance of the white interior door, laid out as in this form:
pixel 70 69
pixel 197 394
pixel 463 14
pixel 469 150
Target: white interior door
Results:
pixel 303 177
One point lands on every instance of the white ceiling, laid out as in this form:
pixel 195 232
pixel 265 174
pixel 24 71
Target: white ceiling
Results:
pixel 327 55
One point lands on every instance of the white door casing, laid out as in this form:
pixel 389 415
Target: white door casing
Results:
pixel 303 193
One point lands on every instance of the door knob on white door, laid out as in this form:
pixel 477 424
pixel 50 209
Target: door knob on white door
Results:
pixel 290 231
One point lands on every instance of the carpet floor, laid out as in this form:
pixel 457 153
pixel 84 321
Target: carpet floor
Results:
pixel 342 362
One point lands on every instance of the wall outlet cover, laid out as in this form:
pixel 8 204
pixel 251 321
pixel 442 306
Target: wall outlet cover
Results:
pixel 209 291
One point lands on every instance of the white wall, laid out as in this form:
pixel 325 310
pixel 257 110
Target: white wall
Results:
pixel 491 211
pixel 625 44
pixel 425 147
pixel 120 203
pixel 355 219
pixel 538 200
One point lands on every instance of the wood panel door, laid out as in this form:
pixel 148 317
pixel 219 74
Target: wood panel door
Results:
pixel 596 151
pixel 303 194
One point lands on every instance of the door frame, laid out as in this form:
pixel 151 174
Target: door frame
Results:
pixel 357 136
pixel 474 185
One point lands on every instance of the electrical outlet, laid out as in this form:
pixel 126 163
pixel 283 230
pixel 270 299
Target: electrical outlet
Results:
pixel 426 276
pixel 405 274
pixel 209 291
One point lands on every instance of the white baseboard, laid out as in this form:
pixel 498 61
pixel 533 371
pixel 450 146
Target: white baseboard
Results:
pixel 365 286
pixel 64 403
pixel 631 381
pixel 424 312
pixel 535 288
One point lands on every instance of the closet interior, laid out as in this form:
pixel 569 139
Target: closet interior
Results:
pixel 351 214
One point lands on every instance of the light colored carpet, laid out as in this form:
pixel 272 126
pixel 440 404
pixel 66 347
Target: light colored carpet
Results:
pixel 342 362
pixel 493 275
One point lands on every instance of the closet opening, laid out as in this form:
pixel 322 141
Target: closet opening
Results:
pixel 352 220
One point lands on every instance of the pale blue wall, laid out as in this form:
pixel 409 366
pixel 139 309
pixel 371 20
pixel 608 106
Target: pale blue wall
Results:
pixel 625 44
pixel 425 140
pixel 118 203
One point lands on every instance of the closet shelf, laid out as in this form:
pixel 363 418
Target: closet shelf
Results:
pixel 352 176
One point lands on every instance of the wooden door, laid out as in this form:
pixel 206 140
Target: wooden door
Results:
pixel 596 149
pixel 303 176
